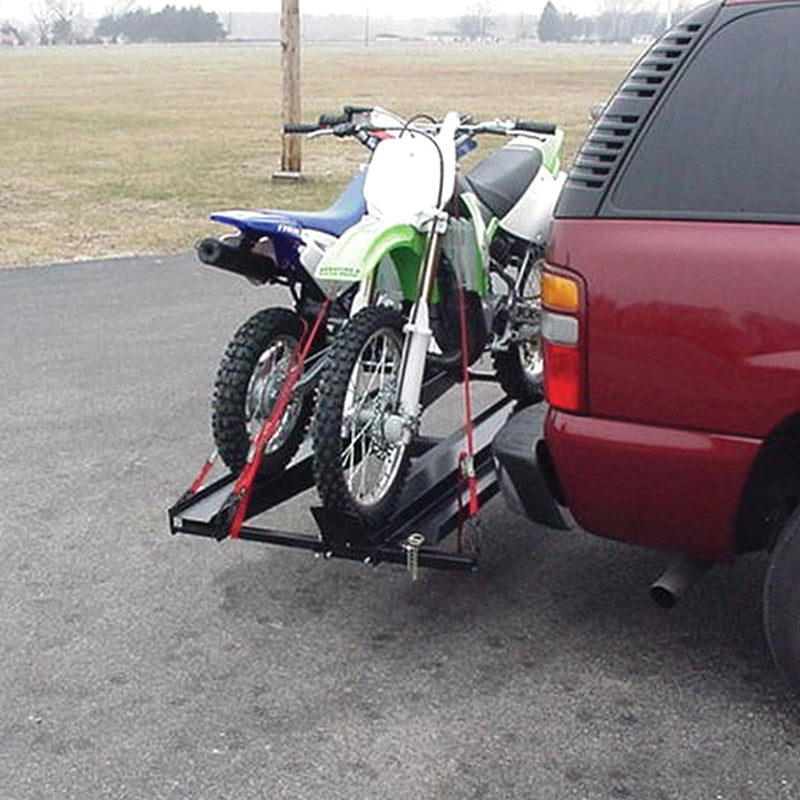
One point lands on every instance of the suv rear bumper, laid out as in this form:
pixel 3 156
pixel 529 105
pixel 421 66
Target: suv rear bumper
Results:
pixel 653 486
pixel 521 468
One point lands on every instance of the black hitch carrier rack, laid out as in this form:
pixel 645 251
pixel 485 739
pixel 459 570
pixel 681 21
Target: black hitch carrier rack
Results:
pixel 433 503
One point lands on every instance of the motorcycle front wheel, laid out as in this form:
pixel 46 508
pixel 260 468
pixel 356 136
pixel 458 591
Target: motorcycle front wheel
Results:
pixel 249 380
pixel 357 469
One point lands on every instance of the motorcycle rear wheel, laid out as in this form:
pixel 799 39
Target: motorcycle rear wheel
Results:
pixel 248 382
pixel 446 322
pixel 520 368
pixel 356 468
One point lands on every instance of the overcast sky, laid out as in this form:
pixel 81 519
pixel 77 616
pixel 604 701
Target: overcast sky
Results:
pixel 20 9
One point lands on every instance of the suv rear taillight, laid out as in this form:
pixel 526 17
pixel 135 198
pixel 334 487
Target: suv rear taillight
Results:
pixel 562 337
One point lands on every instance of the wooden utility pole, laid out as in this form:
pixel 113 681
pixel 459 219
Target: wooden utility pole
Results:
pixel 290 69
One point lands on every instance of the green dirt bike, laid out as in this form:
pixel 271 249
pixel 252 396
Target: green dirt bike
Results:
pixel 439 254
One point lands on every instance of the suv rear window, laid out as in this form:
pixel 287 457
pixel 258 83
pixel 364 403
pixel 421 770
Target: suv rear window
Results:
pixel 724 144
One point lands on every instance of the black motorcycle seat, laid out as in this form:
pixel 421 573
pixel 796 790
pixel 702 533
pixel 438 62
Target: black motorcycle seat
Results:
pixel 500 179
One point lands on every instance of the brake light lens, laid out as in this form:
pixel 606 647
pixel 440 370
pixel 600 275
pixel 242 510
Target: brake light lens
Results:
pixel 562 313
pixel 562 376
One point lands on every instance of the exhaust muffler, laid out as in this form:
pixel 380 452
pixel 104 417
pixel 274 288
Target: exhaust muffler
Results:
pixel 676 580
pixel 256 267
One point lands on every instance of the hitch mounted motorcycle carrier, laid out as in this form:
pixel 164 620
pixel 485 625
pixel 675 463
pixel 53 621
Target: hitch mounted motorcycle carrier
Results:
pixel 432 504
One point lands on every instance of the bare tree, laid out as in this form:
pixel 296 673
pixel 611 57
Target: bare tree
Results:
pixel 118 8
pixel 477 23
pixel 55 20
pixel 615 15
pixel 620 7
pixel 43 20
pixel 525 27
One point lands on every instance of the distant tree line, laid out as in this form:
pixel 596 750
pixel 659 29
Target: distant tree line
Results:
pixel 618 21
pixel 62 22
pixel 171 24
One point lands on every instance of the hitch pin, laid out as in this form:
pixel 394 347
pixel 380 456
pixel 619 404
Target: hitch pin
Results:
pixel 412 546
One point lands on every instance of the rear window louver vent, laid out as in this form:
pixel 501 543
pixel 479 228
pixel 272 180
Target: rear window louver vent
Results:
pixel 604 148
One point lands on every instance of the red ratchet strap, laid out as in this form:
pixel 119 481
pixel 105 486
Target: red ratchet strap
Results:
pixel 198 481
pixel 466 460
pixel 243 489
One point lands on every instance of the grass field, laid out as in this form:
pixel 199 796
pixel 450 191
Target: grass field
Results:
pixel 112 150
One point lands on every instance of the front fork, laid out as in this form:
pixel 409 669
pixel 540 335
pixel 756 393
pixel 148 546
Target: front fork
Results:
pixel 401 426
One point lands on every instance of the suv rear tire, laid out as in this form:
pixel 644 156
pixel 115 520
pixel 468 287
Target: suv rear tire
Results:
pixel 782 602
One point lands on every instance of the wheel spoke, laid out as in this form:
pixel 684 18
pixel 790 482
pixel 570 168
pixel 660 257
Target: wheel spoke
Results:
pixel 265 387
pixel 353 440
pixel 361 396
pixel 358 468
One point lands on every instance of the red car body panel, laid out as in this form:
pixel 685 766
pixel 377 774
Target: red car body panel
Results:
pixel 686 322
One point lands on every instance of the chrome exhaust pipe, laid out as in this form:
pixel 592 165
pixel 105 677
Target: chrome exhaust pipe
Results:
pixel 676 580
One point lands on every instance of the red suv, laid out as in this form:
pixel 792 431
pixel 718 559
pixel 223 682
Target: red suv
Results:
pixel 671 319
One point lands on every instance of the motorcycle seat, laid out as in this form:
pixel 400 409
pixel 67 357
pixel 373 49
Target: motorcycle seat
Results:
pixel 345 211
pixel 500 179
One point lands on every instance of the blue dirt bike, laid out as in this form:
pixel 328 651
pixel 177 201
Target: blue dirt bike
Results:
pixel 282 247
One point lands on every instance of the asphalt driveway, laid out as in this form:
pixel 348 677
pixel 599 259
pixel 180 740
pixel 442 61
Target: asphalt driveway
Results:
pixel 138 665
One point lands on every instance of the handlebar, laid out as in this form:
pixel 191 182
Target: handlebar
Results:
pixel 329 122
pixel 341 125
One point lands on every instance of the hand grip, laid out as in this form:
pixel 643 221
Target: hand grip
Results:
pixel 302 127
pixel 350 110
pixel 331 120
pixel 547 128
